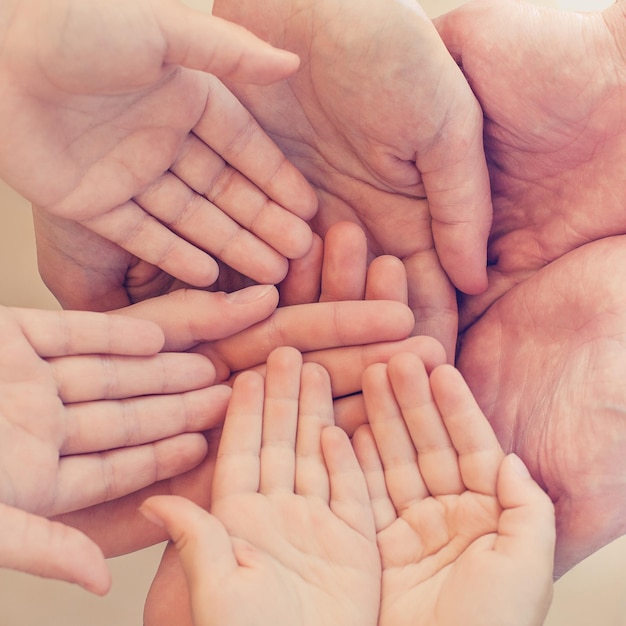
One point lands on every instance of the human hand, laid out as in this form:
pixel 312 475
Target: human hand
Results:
pixel 109 118
pixel 384 126
pixel 290 529
pixel 89 411
pixel 546 363
pixel 465 535
pixel 550 87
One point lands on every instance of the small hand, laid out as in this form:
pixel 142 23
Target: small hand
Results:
pixel 465 536
pixel 290 528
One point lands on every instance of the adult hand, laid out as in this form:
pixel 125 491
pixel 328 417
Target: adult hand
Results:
pixel 551 89
pixel 290 529
pixel 109 118
pixel 546 363
pixel 465 535
pixel 384 126
pixel 89 411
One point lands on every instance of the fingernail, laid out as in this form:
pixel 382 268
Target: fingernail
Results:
pixel 249 294
pixel 151 517
pixel 519 467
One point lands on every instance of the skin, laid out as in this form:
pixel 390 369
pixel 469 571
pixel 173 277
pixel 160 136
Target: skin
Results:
pixel 89 411
pixel 290 528
pixel 110 122
pixel 465 535
pixel 541 349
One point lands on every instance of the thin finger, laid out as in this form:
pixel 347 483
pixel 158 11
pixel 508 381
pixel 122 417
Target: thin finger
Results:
pixel 280 421
pixel 386 280
pixel 397 452
pixel 61 333
pixel 479 451
pixel 315 412
pixel 38 546
pixel 302 283
pixel 372 468
pixel 104 425
pixel 90 479
pixel 237 468
pixel 87 378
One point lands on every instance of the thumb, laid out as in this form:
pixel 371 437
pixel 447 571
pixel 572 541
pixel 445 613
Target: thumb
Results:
pixel 527 526
pixel 200 41
pixel 202 543
pixel 38 546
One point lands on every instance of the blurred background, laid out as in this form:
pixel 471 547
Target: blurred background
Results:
pixel 594 593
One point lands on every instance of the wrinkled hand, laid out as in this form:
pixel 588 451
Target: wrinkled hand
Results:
pixel 465 535
pixel 546 363
pixel 110 119
pixel 379 119
pixel 291 530
pixel 89 411
pixel 550 84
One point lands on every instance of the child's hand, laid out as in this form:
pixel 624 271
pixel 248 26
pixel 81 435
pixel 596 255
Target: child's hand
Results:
pixel 291 538
pixel 465 535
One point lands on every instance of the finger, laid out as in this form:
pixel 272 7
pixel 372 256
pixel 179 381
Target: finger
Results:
pixel 349 497
pixel 345 263
pixel 61 333
pixel 372 468
pixel 303 280
pixel 437 457
pixel 386 280
pixel 203 544
pixel 346 365
pixel 200 41
pixel 205 172
pixel 314 327
pixel 280 421
pixel 189 316
pixel 90 479
pixel 38 546
pixel 527 528
pixel 86 378
pixel 315 412
pixel 237 468
pixel 432 300
pixel 478 449
pixel 104 425
pixel 210 228
pixel 230 130
pixel 139 233
pixel 397 452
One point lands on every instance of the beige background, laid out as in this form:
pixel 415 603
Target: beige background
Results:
pixel 593 594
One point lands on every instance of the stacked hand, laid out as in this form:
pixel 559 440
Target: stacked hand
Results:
pixel 464 535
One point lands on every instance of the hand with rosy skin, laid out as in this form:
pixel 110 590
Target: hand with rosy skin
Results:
pixel 291 530
pixel 546 363
pixel 89 412
pixel 385 128
pixel 465 535
pixel 113 121
pixel 554 129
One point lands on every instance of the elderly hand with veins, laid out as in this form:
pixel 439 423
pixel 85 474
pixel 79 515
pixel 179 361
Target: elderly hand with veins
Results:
pixel 89 412
pixel 112 117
